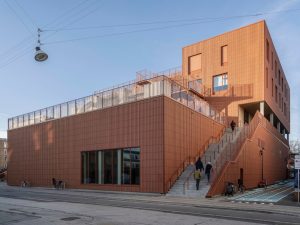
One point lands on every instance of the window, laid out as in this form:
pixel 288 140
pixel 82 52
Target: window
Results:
pixel 279 100
pixel 195 63
pixel 89 161
pixel 276 93
pixel 284 109
pixel 275 69
pixel 279 77
pixel 282 84
pixel 285 91
pixel 272 87
pixel 272 61
pixel 224 58
pixel 268 49
pixel 267 78
pixel 195 85
pixel 220 82
pixel 117 166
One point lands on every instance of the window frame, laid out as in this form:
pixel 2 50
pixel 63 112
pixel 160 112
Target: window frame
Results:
pixel 224 85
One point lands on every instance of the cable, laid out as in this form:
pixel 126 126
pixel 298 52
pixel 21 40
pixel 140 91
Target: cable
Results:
pixel 11 49
pixel 17 55
pixel 13 59
pixel 29 38
pixel 27 14
pixel 74 21
pixel 21 20
pixel 128 32
pixel 26 51
pixel 65 13
pixel 167 21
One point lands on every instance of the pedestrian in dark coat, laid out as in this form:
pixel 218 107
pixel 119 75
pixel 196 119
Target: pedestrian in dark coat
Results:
pixel 233 125
pixel 199 165
pixel 208 170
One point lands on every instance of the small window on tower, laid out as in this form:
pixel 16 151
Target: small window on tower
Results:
pixel 267 78
pixel 268 49
pixel 224 58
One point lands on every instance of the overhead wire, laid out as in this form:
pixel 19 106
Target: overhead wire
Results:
pixel 26 13
pixel 14 58
pixel 16 48
pixel 29 48
pixel 167 21
pixel 11 49
pixel 19 18
pixel 76 19
pixel 200 20
pixel 65 13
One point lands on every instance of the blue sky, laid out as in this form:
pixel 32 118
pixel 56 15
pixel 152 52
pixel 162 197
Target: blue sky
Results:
pixel 77 69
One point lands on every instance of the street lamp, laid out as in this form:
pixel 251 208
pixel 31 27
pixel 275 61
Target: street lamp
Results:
pixel 40 55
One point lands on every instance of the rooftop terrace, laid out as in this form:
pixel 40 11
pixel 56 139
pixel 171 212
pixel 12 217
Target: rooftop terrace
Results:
pixel 169 83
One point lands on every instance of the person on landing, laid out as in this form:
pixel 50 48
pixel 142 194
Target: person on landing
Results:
pixel 232 125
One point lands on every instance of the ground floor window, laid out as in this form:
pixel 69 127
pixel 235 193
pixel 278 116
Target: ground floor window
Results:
pixel 115 166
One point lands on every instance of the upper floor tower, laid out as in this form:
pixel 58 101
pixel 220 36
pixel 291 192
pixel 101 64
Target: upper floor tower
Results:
pixel 242 71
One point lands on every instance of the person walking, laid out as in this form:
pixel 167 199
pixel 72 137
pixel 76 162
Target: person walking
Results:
pixel 232 125
pixel 208 170
pixel 197 177
pixel 199 164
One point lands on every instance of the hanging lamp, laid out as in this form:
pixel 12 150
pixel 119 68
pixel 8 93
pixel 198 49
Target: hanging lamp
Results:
pixel 40 55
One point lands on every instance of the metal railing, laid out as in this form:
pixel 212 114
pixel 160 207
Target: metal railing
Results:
pixel 233 148
pixel 130 92
pixel 236 90
pixel 188 160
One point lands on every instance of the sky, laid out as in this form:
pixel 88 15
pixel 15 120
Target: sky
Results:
pixel 78 68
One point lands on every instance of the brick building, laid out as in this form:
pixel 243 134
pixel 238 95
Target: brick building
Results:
pixel 141 136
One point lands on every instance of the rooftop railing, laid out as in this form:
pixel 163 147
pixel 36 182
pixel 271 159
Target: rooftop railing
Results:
pixel 146 85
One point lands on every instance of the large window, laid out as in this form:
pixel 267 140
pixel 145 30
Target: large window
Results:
pixel 220 82
pixel 118 166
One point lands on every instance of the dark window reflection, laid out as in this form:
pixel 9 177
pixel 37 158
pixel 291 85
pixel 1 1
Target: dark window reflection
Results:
pixel 119 166
pixel 107 167
pixel 89 167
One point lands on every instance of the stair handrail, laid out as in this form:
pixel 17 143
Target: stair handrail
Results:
pixel 232 149
pixel 211 140
pixel 188 160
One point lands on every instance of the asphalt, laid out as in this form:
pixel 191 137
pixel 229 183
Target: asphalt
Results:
pixel 218 208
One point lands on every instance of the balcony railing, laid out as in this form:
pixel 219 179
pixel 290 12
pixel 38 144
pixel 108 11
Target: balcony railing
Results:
pixel 152 85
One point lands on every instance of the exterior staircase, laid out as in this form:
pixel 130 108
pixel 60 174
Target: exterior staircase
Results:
pixel 185 185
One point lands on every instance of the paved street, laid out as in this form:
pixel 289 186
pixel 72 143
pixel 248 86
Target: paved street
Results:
pixel 48 206
pixel 273 193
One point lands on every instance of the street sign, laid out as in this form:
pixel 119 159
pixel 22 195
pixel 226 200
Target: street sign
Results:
pixel 297 162
pixel 297 167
